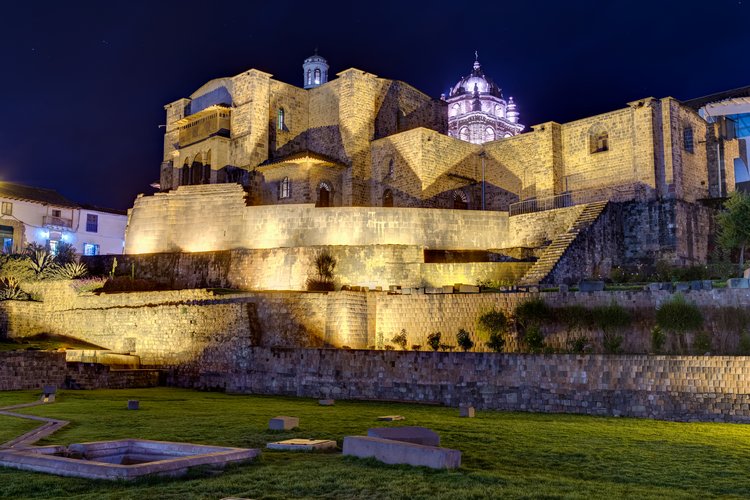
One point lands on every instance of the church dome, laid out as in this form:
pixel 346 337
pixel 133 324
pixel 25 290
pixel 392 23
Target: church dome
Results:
pixel 476 81
pixel 314 71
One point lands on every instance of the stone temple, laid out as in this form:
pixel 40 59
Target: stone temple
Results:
pixel 259 175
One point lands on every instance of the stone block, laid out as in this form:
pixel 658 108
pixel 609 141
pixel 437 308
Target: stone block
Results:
pixel 399 452
pixel 407 434
pixel 447 288
pixel 696 285
pixel 134 404
pixel 302 445
pixel 667 287
pixel 466 411
pixel 708 285
pixel 468 289
pixel 681 287
pixel 738 283
pixel 653 287
pixel 282 423
pixel 591 286
pixel 326 402
pixel 390 418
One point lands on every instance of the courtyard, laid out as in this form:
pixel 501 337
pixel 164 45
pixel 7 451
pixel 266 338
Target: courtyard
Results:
pixel 505 454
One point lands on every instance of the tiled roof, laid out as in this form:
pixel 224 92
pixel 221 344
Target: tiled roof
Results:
pixel 39 195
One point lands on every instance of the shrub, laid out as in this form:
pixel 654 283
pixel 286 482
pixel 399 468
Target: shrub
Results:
pixel 534 339
pixel 579 344
pixel 532 312
pixel 389 347
pixel 496 342
pixel 701 343
pixel 40 261
pixel 10 289
pixel 433 340
pixel 493 322
pixel 69 271
pixel 416 347
pixel 400 339
pixel 16 266
pixel 65 254
pixel 88 284
pixel 612 343
pixel 324 265
pixel 574 316
pixel 463 339
pixel 611 316
pixel 679 316
pixel 446 347
pixel 125 284
pixel 658 338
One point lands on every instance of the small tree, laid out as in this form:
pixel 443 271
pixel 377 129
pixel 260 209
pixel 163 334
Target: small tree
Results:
pixel 324 265
pixel 494 324
pixel 433 340
pixel 65 254
pixel 463 339
pixel 400 339
pixel 734 224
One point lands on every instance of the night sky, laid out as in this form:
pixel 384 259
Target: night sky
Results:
pixel 84 83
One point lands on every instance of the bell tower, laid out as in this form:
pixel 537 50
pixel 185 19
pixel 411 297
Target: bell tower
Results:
pixel 314 71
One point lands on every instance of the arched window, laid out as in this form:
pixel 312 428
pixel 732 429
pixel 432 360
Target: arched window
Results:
pixel 317 76
pixel 456 109
pixel 687 139
pixel 463 134
pixel 388 198
pixel 498 111
pixel 489 134
pixel 598 140
pixel 284 191
pixel 309 77
pixel 460 200
pixel 185 181
pixel 280 120
pixel 391 169
pixel 324 195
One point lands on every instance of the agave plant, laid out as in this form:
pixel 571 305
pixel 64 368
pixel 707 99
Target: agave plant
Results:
pixel 41 261
pixel 10 289
pixel 70 271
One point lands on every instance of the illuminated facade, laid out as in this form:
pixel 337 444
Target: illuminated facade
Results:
pixel 477 111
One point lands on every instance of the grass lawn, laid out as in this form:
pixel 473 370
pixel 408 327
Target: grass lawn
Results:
pixel 505 455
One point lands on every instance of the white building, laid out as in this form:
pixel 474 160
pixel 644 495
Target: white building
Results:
pixel 43 216
pixel 477 111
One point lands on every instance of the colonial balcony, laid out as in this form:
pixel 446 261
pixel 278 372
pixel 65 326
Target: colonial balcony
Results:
pixel 210 122
pixel 51 221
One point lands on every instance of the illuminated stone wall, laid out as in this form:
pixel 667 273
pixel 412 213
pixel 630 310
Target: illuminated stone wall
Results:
pixel 215 217
pixel 683 388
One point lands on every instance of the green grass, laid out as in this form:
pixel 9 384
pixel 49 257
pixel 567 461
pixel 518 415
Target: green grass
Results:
pixel 45 342
pixel 505 455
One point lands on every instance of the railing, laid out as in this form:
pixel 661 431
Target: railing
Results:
pixel 571 198
pixel 50 220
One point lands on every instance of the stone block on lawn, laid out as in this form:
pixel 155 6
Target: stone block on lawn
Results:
pixel 681 287
pixel 591 286
pixel 468 289
pixel 326 402
pixel 399 452
pixel 133 404
pixel 283 423
pixel 738 283
pixel 466 411
pixel 407 434
pixel 390 418
pixel 447 288
pixel 302 445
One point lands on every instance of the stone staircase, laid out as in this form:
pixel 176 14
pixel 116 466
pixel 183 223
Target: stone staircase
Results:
pixel 560 244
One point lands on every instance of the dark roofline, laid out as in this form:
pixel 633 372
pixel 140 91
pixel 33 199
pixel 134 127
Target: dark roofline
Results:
pixel 94 208
pixel 18 191
pixel 699 102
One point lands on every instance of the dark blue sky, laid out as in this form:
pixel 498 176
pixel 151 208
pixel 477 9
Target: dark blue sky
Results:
pixel 85 82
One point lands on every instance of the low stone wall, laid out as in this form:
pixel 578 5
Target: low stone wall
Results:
pixel 681 388
pixel 31 370
pixel 21 370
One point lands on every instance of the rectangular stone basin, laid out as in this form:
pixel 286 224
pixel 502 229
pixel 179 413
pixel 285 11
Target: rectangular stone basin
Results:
pixel 122 459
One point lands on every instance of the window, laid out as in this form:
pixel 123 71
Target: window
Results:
pixel 90 249
pixel 280 121
pixel 324 195
pixel 460 200
pixel 317 76
pixel 598 140
pixel 389 172
pixel 309 78
pixel 53 246
pixel 92 223
pixel 284 188
pixel 687 139
pixel 7 208
pixel 489 134
pixel 463 134
pixel 56 213
pixel 6 239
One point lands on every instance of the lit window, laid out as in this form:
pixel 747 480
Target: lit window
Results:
pixel 284 191
pixel 687 139
pixel 53 246
pixel 489 134
pixel 90 249
pixel 317 76
pixel 7 208
pixel 390 168
pixel 280 123
pixel 309 77
pixel 92 223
